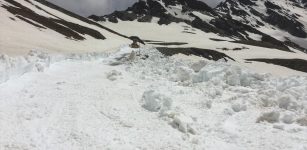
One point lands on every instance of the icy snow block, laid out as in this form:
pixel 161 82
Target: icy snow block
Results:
pixel 184 74
pixel 287 102
pixel 184 123
pixel 209 72
pixel 270 117
pixel 288 118
pixel 233 79
pixel 199 65
pixel 233 76
pixel 156 102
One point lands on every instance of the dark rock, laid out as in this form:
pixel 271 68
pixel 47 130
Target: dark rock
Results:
pixel 204 26
pixel 146 18
pixel 96 18
pixel 78 17
pixel 68 29
pixel 139 8
pixel 137 39
pixel 188 32
pixel 168 43
pixel 167 19
pixel 267 42
pixel 206 53
pixel 256 13
pixel 125 16
pixel 156 9
pixel 295 64
pixel 290 25
pixel 213 39
pixel 239 12
pixel 247 2
pixel 270 5
pixel 113 19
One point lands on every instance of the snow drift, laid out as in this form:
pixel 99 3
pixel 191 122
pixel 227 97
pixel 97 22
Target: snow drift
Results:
pixel 109 101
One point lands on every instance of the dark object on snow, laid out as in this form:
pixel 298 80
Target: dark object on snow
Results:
pixel 135 44
pixel 205 53
pixel 295 64
pixel 137 39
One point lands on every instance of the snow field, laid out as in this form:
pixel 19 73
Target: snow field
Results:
pixel 109 101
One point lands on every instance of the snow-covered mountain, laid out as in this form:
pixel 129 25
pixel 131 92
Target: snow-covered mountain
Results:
pixel 38 24
pixel 202 81
pixel 252 28
pixel 250 21
pixel 284 20
pixel 222 32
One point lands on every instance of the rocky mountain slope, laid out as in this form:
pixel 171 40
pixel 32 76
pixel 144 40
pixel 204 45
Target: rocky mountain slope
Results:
pixel 250 32
pixel 247 21
pixel 38 24
pixel 284 20
pixel 188 27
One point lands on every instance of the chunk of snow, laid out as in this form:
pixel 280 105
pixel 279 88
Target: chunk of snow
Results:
pixel 184 74
pixel 184 123
pixel 288 118
pixel 197 66
pixel 287 102
pixel 156 102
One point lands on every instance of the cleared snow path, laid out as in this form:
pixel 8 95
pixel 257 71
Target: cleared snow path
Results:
pixel 151 103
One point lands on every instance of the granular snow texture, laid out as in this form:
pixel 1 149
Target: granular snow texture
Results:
pixel 108 101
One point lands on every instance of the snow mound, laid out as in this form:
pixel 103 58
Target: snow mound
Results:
pixel 156 102
pixel 37 61
pixel 241 88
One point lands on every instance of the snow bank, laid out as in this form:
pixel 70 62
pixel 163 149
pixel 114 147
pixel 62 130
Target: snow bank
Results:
pixel 15 67
pixel 12 67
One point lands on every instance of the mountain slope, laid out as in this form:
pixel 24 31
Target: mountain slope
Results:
pixel 182 26
pixel 221 20
pixel 284 20
pixel 37 24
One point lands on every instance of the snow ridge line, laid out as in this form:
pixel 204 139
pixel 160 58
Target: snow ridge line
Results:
pixel 38 61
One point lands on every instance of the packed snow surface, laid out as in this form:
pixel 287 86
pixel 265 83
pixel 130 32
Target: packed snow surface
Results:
pixel 140 99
